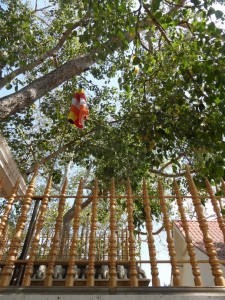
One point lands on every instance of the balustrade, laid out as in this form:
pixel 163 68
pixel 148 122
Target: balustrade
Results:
pixel 110 253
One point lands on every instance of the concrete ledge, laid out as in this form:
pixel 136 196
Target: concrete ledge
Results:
pixel 114 291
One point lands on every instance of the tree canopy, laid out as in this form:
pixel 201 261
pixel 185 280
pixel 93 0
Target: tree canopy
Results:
pixel 153 72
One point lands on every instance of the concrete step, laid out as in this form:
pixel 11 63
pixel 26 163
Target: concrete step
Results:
pixel 119 293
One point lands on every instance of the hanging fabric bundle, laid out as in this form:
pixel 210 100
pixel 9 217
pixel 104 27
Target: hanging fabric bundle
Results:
pixel 78 109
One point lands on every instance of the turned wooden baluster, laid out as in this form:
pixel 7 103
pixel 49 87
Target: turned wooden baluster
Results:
pixel 81 243
pixel 122 244
pixel 55 240
pixel 99 246
pixel 74 242
pixel 151 241
pixel 216 208
pixel 223 184
pixel 104 245
pixel 117 244
pixel 107 249
pixel 34 246
pixel 131 239
pixel 126 245
pixel 86 238
pixel 4 242
pixel 8 208
pixel 170 242
pixel 7 270
pixel 190 246
pixel 92 242
pixel 112 239
pixel 210 248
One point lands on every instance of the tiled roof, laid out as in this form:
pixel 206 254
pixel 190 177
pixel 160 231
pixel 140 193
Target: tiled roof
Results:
pixel 197 237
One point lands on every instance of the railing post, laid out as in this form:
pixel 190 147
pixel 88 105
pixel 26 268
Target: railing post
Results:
pixel 216 208
pixel 73 246
pixel 131 239
pixel 7 270
pixel 34 246
pixel 55 240
pixel 8 208
pixel 170 242
pixel 151 242
pixel 190 246
pixel 92 244
pixel 210 248
pixel 112 240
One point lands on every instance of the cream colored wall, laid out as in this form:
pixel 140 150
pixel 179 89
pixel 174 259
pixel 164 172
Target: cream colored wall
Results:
pixel 205 269
pixel 9 170
pixel 187 278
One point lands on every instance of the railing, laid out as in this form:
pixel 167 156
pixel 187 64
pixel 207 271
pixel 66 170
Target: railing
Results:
pixel 104 247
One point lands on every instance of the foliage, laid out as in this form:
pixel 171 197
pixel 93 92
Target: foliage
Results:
pixel 156 94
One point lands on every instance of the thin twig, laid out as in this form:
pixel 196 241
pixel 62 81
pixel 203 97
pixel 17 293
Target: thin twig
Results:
pixel 40 9
pixel 157 24
pixel 154 233
pixel 170 162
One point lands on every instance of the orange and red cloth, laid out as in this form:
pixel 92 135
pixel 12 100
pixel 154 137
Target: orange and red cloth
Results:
pixel 78 109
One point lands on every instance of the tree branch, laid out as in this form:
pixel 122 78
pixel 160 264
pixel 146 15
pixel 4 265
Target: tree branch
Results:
pixel 154 233
pixel 62 149
pixel 41 59
pixel 156 23
pixel 38 88
pixel 40 9
pixel 28 95
pixel 56 153
pixel 175 7
pixel 163 33
pixel 158 172
pixel 170 162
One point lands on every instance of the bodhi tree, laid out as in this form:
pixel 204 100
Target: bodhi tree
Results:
pixel 153 72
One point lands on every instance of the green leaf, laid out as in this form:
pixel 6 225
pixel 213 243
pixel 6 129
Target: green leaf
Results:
pixel 69 25
pixel 223 212
pixel 155 5
pixel 219 193
pixel 26 24
pixel 136 61
pixel 212 27
pixel 217 100
pixel 211 11
pixel 8 86
pixel 196 2
pixel 167 130
pixel 218 14
pixel 80 14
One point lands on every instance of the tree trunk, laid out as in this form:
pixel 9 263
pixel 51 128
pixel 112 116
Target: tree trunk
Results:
pixel 28 95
